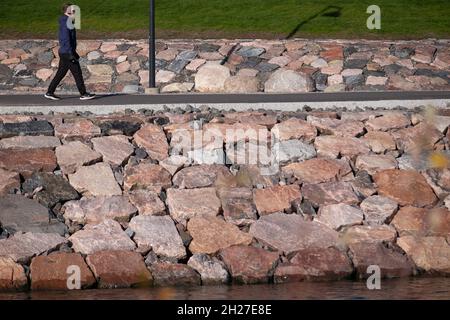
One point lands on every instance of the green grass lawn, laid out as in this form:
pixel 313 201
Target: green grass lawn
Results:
pixel 231 18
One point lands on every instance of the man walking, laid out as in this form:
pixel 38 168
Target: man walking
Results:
pixel 68 57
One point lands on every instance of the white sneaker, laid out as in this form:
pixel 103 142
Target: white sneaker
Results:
pixel 51 96
pixel 87 96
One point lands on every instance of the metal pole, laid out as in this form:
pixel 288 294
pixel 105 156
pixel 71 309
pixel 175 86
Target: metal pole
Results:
pixel 151 46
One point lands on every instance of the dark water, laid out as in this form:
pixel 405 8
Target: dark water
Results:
pixel 410 288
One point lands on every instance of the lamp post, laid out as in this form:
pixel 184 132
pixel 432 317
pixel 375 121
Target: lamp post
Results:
pixel 151 51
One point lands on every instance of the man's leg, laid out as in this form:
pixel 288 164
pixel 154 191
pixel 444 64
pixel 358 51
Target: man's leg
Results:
pixel 60 74
pixel 75 68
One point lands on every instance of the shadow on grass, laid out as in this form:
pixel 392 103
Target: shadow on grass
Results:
pixel 227 56
pixel 330 11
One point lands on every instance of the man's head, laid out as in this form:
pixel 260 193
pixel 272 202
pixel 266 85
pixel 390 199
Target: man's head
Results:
pixel 67 9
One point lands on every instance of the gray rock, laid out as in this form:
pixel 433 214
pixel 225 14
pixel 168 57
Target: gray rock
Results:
pixel 127 127
pixel 312 48
pixel 200 156
pixel 45 57
pixel 187 55
pixel 140 153
pixel 433 73
pixel 305 208
pixel 5 74
pixel 158 233
pixel 374 73
pixel 124 46
pixel 363 185
pixel 250 52
pixel 31 82
pixel 251 62
pixel 33 47
pixel 402 52
pixel 339 215
pixel 151 258
pixel 391 69
pixel 21 247
pixel 177 65
pixel 159 64
pixel 266 67
pixel 107 235
pixel 94 55
pixel 23 73
pixel 207 47
pixel 129 232
pixel 19 67
pixel 292 150
pixel 130 89
pixel 252 152
pixel 185 236
pixel 355 64
pixel 173 163
pixel 210 269
pixel 321 81
pixel 353 81
pixel 30 128
pixel 408 161
pixel 378 209
pixel 18 213
pixel 97 209
pixel 54 189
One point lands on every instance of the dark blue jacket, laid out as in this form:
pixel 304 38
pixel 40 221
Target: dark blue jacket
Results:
pixel 67 37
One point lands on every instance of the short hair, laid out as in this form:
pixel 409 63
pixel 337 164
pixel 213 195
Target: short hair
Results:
pixel 65 6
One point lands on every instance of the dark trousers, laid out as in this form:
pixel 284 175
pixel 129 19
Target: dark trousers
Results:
pixel 66 64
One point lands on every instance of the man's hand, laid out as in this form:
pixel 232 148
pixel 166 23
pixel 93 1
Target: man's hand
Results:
pixel 74 57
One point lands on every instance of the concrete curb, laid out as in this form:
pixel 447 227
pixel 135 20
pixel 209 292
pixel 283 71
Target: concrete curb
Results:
pixel 279 106
pixel 110 103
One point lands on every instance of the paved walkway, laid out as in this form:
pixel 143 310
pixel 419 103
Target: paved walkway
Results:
pixel 283 102
pixel 124 99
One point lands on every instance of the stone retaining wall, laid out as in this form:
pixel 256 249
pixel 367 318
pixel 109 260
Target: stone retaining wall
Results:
pixel 235 66
pixel 131 200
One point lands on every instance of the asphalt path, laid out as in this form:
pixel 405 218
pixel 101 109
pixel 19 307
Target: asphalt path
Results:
pixel 197 98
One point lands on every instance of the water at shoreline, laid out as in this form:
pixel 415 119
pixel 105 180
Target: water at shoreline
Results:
pixel 406 288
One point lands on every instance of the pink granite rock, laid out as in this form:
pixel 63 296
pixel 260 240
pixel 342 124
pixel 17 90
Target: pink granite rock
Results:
pixel 289 233
pixel 95 180
pixel 187 203
pixel 249 265
pixel 211 234
pixel 152 138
